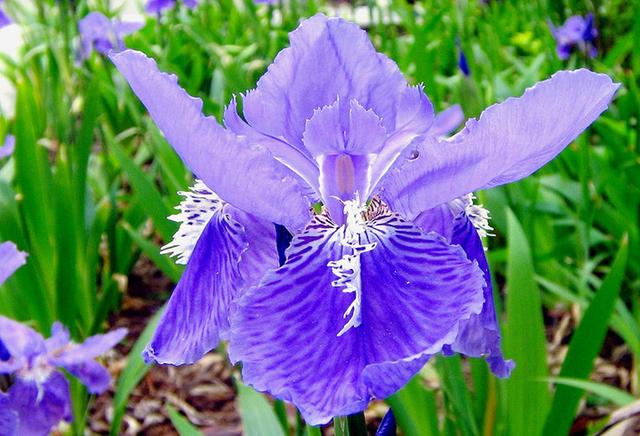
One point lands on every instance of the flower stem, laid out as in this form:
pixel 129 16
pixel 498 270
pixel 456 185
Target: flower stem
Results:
pixel 352 425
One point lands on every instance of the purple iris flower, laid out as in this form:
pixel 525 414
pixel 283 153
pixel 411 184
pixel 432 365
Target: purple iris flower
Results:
pixel 158 6
pixel 103 34
pixel 576 32
pixel 389 270
pixel 4 18
pixel 39 397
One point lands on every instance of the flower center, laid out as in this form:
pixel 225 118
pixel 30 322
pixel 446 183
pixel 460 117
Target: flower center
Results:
pixel 345 174
pixel 347 269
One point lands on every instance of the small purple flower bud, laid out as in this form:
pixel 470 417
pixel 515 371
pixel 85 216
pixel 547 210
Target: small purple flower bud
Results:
pixel 462 63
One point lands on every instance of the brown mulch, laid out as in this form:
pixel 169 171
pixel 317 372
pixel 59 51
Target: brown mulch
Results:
pixel 203 392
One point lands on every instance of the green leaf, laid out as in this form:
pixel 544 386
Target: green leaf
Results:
pixel 258 417
pixel 146 191
pixel 163 262
pixel 524 339
pixel 352 425
pixel 610 393
pixel 415 409
pixel 585 344
pixel 456 393
pixel 132 374
pixel 182 424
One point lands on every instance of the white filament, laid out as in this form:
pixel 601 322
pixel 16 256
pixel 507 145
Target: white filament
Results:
pixel 347 269
pixel 477 214
pixel 199 205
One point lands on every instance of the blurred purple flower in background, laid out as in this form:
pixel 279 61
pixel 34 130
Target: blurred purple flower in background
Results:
pixel 4 18
pixel 158 6
pixel 38 399
pixel 98 32
pixel 9 145
pixel 576 33
pixel 10 260
pixel 392 271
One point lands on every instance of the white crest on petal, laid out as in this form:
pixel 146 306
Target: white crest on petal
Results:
pixel 477 213
pixel 199 205
pixel 37 372
pixel 347 269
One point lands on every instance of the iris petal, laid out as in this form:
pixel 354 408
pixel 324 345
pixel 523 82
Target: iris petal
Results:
pixel 344 127
pixel 93 375
pixel 40 407
pixel 342 63
pixel 221 263
pixel 91 348
pixel 8 417
pixel 243 174
pixel 509 141
pixel 415 290
pixel 10 260
pixel 479 336
pixel 447 121
pixel 20 340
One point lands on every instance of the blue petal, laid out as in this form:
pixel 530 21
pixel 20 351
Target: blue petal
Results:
pixel 509 141
pixel 222 262
pixel 40 407
pixel 8 417
pixel 479 336
pixel 10 260
pixel 289 331
pixel 8 147
pixel 342 63
pixel 91 348
pixel 19 340
pixel 388 425
pixel 242 173
pixel 447 121
pixel 93 375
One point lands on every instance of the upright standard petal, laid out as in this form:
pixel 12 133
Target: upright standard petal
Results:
pixel 408 290
pixel 509 141
pixel 243 174
pixel 10 260
pixel 227 255
pixel 328 58
pixel 345 139
pixel 59 338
